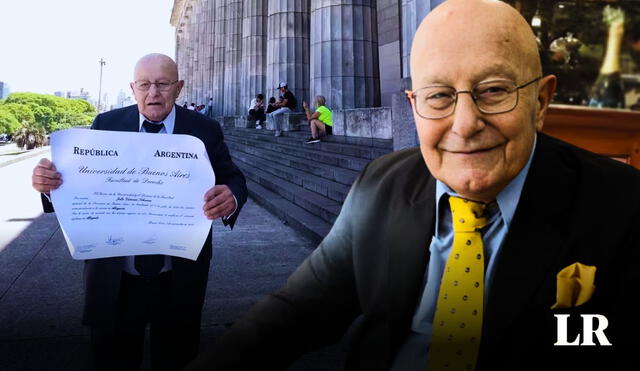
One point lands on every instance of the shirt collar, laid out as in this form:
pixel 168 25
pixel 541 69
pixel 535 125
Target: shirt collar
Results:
pixel 169 121
pixel 507 199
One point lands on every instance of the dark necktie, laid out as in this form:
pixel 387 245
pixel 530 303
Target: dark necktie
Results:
pixel 150 127
pixel 149 266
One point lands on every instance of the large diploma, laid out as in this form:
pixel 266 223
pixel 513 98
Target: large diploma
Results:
pixel 129 193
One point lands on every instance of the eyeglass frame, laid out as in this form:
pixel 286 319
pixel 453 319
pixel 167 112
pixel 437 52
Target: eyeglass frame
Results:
pixel 169 85
pixel 411 95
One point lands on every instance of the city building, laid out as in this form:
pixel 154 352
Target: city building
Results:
pixel 123 100
pixel 104 103
pixel 82 94
pixel 4 90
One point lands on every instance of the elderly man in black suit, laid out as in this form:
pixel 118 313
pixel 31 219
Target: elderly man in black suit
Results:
pixel 123 294
pixel 466 253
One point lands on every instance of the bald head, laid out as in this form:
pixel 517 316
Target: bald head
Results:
pixel 157 60
pixel 156 86
pixel 461 27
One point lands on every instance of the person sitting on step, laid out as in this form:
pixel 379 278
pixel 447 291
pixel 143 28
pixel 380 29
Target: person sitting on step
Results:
pixel 256 110
pixel 320 121
pixel 287 104
pixel 272 106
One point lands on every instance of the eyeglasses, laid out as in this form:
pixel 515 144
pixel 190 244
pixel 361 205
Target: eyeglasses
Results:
pixel 144 85
pixel 491 97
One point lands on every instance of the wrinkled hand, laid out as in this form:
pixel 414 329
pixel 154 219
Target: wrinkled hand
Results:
pixel 45 177
pixel 218 202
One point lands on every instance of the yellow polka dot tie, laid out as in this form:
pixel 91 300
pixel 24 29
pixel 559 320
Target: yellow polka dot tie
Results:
pixel 457 325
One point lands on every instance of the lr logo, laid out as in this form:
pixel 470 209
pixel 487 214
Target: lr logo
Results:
pixel 587 330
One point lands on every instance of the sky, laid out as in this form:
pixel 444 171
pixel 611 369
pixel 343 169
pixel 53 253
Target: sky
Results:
pixel 56 45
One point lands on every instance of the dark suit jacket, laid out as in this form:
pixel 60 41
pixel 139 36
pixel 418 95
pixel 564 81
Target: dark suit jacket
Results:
pixel 189 278
pixel 575 207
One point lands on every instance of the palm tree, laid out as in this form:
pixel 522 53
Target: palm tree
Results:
pixel 30 135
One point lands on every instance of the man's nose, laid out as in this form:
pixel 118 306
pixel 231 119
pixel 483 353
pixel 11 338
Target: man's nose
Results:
pixel 153 89
pixel 466 116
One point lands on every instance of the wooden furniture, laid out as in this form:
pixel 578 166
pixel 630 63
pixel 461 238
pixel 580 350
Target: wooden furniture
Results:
pixel 611 132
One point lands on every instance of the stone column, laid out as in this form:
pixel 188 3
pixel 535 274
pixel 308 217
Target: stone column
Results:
pixel 210 9
pixel 253 73
pixel 288 48
pixel 344 53
pixel 197 51
pixel 188 55
pixel 218 57
pixel 180 60
pixel 190 82
pixel 185 18
pixel 233 54
pixel 181 54
pixel 389 49
pixel 202 60
pixel 413 12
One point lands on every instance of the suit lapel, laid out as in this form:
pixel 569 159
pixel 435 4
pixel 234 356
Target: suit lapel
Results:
pixel 532 245
pixel 131 121
pixel 409 253
pixel 180 126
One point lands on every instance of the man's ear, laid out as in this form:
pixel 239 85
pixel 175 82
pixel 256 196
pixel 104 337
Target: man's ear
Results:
pixel 180 86
pixel 546 90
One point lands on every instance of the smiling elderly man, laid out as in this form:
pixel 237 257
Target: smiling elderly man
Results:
pixel 448 255
pixel 123 294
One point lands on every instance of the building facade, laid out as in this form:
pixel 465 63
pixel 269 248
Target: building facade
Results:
pixel 4 90
pixel 354 52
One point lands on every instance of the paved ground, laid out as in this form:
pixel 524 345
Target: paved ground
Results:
pixel 10 153
pixel 40 285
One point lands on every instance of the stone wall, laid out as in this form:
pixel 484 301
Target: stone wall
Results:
pixel 364 122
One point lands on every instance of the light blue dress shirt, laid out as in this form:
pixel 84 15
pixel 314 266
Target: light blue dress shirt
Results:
pixel 413 353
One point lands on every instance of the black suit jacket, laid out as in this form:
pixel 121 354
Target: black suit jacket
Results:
pixel 189 278
pixel 575 207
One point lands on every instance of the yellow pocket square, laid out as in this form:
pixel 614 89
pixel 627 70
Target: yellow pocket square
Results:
pixel 574 285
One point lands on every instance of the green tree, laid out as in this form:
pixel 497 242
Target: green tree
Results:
pixel 52 113
pixel 21 112
pixel 69 119
pixel 43 116
pixel 8 122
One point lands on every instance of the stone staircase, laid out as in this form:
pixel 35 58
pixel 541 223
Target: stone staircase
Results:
pixel 302 184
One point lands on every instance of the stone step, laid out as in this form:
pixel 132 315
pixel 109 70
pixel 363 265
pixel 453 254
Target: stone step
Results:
pixel 305 133
pixel 329 144
pixel 327 188
pixel 302 152
pixel 303 130
pixel 303 184
pixel 323 207
pixel 314 167
pixel 303 221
